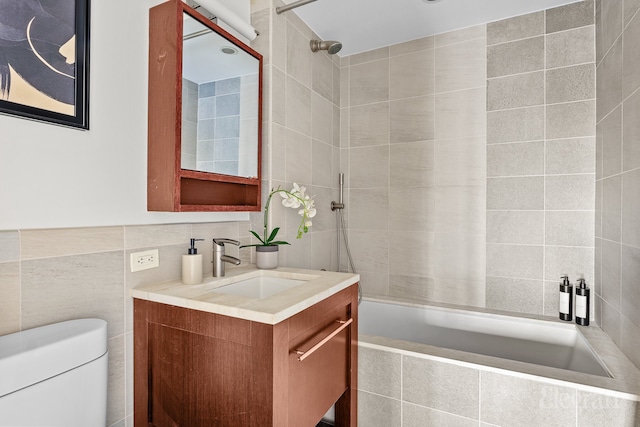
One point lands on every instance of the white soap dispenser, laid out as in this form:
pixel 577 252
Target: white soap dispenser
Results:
pixel 192 265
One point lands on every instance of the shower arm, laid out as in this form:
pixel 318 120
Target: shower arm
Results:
pixel 293 5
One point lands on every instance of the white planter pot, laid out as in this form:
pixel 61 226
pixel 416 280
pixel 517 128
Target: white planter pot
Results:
pixel 267 257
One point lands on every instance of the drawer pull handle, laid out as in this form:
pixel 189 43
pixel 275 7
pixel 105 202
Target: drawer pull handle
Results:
pixel 304 354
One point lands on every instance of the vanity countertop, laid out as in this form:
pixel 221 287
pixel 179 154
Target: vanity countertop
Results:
pixel 270 310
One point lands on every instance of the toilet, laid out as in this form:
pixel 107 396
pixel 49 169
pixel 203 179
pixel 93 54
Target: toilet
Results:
pixel 55 375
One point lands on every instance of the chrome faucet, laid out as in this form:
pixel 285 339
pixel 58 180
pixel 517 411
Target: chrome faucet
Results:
pixel 219 258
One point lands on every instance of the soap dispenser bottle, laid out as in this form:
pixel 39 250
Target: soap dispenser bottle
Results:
pixel 582 303
pixel 566 299
pixel 192 265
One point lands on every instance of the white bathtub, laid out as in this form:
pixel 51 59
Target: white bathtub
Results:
pixel 546 343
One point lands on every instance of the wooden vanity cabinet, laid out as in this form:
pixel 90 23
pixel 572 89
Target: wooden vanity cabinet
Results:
pixel 194 368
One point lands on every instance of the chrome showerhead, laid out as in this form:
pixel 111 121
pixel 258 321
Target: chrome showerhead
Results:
pixel 331 46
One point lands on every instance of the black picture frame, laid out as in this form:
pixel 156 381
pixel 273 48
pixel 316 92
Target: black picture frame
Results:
pixel 43 33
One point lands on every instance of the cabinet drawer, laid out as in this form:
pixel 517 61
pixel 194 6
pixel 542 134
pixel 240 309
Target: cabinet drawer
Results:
pixel 318 363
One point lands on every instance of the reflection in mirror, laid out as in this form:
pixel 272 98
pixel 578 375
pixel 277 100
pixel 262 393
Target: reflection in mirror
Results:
pixel 219 104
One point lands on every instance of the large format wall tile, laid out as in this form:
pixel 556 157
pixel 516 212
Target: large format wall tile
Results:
pixel 630 271
pixel 521 90
pixel 570 47
pixel 522 124
pixel 631 58
pixel 460 114
pixel 520 193
pixel 420 416
pixel 630 208
pixel 9 297
pixel 523 296
pixel 567 84
pixel 411 74
pixel 369 125
pixel 412 119
pixel 631 132
pixel 570 16
pixel 523 158
pixel 369 82
pixel 516 57
pixel 70 241
pixel 519 27
pixel 379 372
pixel 461 66
pixel 572 119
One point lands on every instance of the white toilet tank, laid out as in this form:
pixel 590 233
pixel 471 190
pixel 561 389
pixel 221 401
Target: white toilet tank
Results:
pixel 55 375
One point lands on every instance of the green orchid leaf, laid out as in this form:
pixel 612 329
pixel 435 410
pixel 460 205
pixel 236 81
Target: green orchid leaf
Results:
pixel 273 235
pixel 257 237
pixel 279 242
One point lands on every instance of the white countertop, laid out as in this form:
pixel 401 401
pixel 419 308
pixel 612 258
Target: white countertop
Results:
pixel 271 310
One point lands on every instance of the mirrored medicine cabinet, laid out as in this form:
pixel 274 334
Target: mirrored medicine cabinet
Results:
pixel 205 115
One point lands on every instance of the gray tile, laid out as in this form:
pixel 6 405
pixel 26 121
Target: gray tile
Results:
pixel 551 298
pixel 278 101
pixel 443 386
pixel 630 337
pixel 298 55
pixel 575 119
pixel 630 208
pixel 609 81
pixel 519 27
pixel 521 90
pixel 515 159
pixel 570 192
pixel 598 208
pixel 9 297
pixel 611 128
pixel 226 86
pixel 369 167
pixel 458 36
pixel 416 245
pixel 322 77
pixel 567 228
pixel 570 47
pixel 461 66
pixel 411 74
pixel 298 107
pixel 458 291
pixel 65 288
pixel 631 58
pixel 461 114
pixel 630 271
pixel 570 16
pixel 228 105
pixel 414 288
pixel 610 322
pixel 516 57
pixel 379 372
pixel 413 209
pixel 369 125
pixel 225 127
pixel 461 209
pixel 412 119
pixel 374 410
pixel 368 56
pixel 630 9
pixel 523 124
pixel 461 161
pixel 570 156
pixel 412 164
pixel 299 148
pixel 365 201
pixel 321 119
pixel 574 262
pixel 522 296
pixel 596 409
pixel 519 227
pixel 514 261
pixel 526 193
pixel 9 246
pixel 507 400
pixel 67 241
pixel 420 416
pixel 423 43
pixel 611 275
pixel 322 159
pixel 369 82
pixel 611 208
pixel 567 84
pixel 611 21
pixel 116 380
pixel 631 132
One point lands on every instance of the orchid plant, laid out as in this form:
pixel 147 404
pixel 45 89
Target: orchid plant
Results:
pixel 295 199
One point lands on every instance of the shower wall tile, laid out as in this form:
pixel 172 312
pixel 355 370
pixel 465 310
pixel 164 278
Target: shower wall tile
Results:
pixel 364 202
pixel 516 57
pixel 630 271
pixel 460 162
pixel 630 9
pixel 611 18
pixel 611 274
pixel 460 291
pixel 322 76
pixel 507 400
pixel 411 74
pixel 574 119
pixel 298 106
pixel 520 193
pixel 460 114
pixel 569 192
pixel 412 209
pixel 410 46
pixel 9 296
pixel 610 322
pixel 519 27
pixel 515 261
pixel 567 84
pixel 523 296
pixel 572 261
pixel 458 36
pixel 374 410
pixel 523 158
pixel 609 80
pixel 522 124
pixel 569 228
pixel 369 56
pixel 412 119
pixel 630 208
pixel 517 227
pixel 631 132
pixel 412 164
pixel 414 288
pixel 321 119
pixel 630 338
pixel 299 148
pixel 570 47
pixel 441 386
pixel 403 257
pixel 278 152
pixel 460 209
pixel 321 169
pixel 631 58
pixel 369 125
pixel 521 90
pixel 420 416
pixel 461 65
pixel 369 82
pixel 611 208
pixel 567 156
pixel 379 372
pixel 574 15
pixel 278 105
pixel 368 167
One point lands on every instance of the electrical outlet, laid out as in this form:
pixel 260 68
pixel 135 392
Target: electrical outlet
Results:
pixel 144 260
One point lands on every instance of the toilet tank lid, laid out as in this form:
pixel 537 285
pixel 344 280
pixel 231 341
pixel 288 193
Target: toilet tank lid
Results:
pixel 37 354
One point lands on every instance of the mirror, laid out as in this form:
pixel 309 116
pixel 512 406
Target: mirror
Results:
pixel 219 104
pixel 205 113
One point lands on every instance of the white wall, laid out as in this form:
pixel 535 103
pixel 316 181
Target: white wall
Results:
pixel 52 176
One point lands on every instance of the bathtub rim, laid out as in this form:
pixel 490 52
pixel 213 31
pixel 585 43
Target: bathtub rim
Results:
pixel 624 384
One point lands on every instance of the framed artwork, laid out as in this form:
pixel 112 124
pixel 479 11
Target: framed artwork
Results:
pixel 44 60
